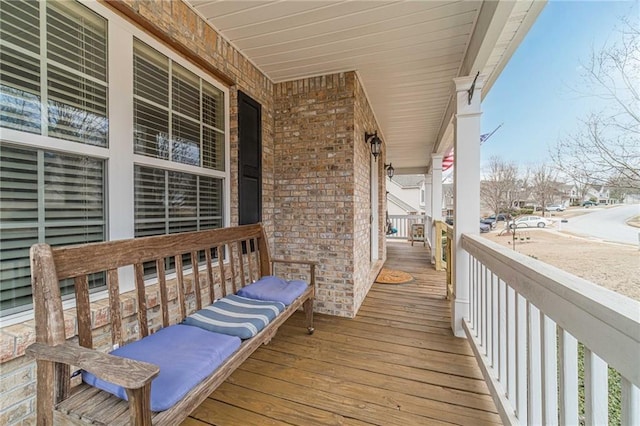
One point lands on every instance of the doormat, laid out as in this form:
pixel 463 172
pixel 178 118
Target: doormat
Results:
pixel 391 276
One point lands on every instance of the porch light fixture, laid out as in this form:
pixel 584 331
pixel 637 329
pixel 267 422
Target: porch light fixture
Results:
pixel 390 170
pixel 375 142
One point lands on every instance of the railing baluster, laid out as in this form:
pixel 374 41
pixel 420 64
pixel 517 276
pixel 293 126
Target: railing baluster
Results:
pixel 502 335
pixel 521 358
pixel 630 403
pixel 549 371
pixel 595 389
pixel 495 325
pixel 534 372
pixel 478 300
pixel 481 318
pixel 485 306
pixel 568 386
pixel 510 344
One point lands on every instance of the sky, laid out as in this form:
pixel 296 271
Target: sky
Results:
pixel 537 95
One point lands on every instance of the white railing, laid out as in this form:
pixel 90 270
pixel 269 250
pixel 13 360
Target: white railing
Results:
pixel 402 223
pixel 528 324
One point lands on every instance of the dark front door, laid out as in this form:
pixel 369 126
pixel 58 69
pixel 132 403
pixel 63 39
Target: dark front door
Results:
pixel 250 160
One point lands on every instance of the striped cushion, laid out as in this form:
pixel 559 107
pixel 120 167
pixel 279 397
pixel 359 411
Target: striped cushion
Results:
pixel 235 316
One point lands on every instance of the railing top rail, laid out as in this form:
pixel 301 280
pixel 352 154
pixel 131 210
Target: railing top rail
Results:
pixel 593 314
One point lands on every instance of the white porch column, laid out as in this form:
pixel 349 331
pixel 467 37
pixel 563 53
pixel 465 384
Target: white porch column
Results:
pixel 466 190
pixel 436 194
pixel 428 208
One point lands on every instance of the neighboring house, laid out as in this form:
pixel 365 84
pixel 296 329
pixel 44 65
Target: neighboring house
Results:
pixel 404 195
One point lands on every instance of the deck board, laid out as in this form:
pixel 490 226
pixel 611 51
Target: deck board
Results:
pixel 396 363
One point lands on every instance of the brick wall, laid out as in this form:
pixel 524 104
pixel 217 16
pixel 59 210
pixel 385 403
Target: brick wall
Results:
pixel 322 192
pixel 364 271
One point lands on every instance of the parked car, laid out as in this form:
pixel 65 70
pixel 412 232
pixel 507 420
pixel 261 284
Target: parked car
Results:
pixel 492 220
pixel 589 203
pixel 483 226
pixel 555 208
pixel 530 222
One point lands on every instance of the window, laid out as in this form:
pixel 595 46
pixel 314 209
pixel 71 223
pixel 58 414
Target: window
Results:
pixel 178 117
pixel 160 163
pixel 45 196
pixel 57 88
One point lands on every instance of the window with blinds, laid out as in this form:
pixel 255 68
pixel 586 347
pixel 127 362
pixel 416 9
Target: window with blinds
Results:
pixel 55 87
pixel 62 81
pixel 45 197
pixel 178 116
pixel 168 202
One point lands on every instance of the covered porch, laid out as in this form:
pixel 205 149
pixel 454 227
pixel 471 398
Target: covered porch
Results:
pixel 396 363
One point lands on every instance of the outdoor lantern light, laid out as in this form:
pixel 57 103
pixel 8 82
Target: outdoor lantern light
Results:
pixel 390 170
pixel 376 143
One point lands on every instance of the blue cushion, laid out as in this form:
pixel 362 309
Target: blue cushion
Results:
pixel 186 355
pixel 235 316
pixel 274 288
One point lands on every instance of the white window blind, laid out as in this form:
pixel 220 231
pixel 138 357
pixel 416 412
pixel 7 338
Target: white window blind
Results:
pixel 178 116
pixel 20 66
pixel 44 197
pixel 73 65
pixel 168 201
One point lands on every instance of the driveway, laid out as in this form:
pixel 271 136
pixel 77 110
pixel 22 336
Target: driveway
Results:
pixel 608 224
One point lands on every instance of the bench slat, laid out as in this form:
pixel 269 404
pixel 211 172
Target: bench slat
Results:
pixel 250 244
pixel 210 283
pixel 196 279
pixel 164 298
pixel 182 300
pixel 83 309
pixel 241 263
pixel 115 314
pixel 71 260
pixel 142 301
pixel 232 266
pixel 223 277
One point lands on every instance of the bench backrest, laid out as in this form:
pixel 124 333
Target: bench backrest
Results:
pixel 194 257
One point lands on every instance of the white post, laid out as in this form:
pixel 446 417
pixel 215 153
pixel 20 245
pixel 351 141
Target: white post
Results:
pixel 466 189
pixel 428 209
pixel 436 195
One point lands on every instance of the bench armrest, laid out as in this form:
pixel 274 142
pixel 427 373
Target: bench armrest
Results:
pixel 128 373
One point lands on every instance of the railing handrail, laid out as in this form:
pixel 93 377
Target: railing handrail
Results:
pixel 593 314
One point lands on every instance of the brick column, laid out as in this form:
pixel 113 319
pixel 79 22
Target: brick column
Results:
pixel 466 190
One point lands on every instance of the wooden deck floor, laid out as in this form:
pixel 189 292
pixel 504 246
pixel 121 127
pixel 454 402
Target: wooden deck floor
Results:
pixel 396 363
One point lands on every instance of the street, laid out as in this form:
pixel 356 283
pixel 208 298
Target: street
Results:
pixel 608 224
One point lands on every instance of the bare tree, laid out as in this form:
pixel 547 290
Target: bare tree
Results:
pixel 500 186
pixel 544 186
pixel 606 151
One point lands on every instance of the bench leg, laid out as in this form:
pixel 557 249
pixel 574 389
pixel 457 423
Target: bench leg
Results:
pixel 308 310
pixel 139 405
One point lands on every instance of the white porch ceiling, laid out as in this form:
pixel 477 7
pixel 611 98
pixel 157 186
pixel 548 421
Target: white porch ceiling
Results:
pixel 405 52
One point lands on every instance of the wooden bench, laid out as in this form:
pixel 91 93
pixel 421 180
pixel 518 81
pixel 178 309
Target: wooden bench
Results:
pixel 245 258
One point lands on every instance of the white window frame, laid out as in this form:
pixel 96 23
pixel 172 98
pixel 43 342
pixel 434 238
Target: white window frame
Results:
pixel 119 156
